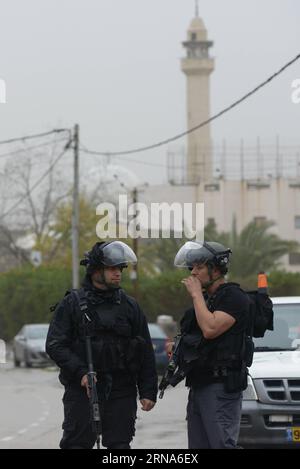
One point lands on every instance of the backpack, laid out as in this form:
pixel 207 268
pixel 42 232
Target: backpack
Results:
pixel 260 319
pixel 261 314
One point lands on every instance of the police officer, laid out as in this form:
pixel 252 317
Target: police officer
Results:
pixel 121 347
pixel 214 338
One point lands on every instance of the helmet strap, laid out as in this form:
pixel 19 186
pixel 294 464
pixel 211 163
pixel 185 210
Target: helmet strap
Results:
pixel 102 280
pixel 211 281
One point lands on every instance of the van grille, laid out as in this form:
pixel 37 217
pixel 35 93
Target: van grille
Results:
pixel 283 391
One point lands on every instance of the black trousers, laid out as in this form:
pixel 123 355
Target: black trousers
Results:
pixel 117 415
pixel 213 417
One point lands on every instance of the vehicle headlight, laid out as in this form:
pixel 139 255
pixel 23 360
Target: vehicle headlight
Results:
pixel 250 394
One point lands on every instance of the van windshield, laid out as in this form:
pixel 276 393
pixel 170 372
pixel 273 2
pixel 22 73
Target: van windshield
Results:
pixel 286 334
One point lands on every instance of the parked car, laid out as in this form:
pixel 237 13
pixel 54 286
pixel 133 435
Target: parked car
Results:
pixel 271 403
pixel 159 342
pixel 29 346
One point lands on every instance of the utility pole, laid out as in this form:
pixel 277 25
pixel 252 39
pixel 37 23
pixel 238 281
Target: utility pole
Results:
pixel 135 249
pixel 134 272
pixel 75 213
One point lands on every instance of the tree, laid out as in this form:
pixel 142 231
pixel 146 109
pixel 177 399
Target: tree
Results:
pixel 255 249
pixel 157 255
pixel 283 283
pixel 57 247
pixel 34 209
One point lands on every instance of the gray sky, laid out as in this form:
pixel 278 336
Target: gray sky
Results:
pixel 113 66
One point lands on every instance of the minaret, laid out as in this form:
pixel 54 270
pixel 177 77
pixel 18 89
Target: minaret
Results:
pixel 198 65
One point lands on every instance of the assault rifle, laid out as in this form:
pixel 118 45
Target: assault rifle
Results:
pixel 168 377
pixel 93 394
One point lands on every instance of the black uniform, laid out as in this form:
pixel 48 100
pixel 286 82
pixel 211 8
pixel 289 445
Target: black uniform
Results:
pixel 219 374
pixel 123 359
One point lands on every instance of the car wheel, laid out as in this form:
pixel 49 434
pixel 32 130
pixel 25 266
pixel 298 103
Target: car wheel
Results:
pixel 28 364
pixel 17 362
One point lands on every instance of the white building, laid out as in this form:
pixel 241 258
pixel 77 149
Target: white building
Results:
pixel 266 193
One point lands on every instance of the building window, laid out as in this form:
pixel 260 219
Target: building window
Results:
pixel 194 36
pixel 253 186
pixel 294 258
pixel 212 187
pixel 297 222
pixel 260 220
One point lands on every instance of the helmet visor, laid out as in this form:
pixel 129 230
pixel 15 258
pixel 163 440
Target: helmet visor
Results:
pixel 183 257
pixel 118 253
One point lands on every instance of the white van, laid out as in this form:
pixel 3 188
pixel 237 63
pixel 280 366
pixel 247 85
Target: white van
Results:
pixel 271 403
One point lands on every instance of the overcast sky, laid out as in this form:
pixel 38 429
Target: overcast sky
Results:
pixel 113 66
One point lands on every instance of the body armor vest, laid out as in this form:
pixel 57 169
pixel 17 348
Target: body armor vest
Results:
pixel 114 346
pixel 216 355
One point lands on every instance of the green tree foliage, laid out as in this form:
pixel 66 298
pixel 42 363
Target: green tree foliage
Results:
pixel 255 249
pixel 26 295
pixel 284 283
pixel 157 255
pixel 57 247
pixel 162 294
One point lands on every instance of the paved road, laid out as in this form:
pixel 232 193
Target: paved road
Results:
pixel 31 413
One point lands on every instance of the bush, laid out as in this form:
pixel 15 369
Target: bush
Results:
pixel 27 294
pixel 162 294
pixel 284 283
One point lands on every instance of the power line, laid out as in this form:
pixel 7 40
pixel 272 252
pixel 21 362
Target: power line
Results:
pixel 33 147
pixel 193 129
pixel 30 137
pixel 248 159
pixel 39 181
pixel 130 160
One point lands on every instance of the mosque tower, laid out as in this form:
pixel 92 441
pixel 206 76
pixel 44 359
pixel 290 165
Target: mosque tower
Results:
pixel 197 66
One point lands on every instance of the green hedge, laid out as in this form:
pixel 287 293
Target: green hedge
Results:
pixel 162 294
pixel 284 284
pixel 26 294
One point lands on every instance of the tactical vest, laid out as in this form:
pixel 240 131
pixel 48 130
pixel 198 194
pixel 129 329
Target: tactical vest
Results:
pixel 114 344
pixel 216 355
